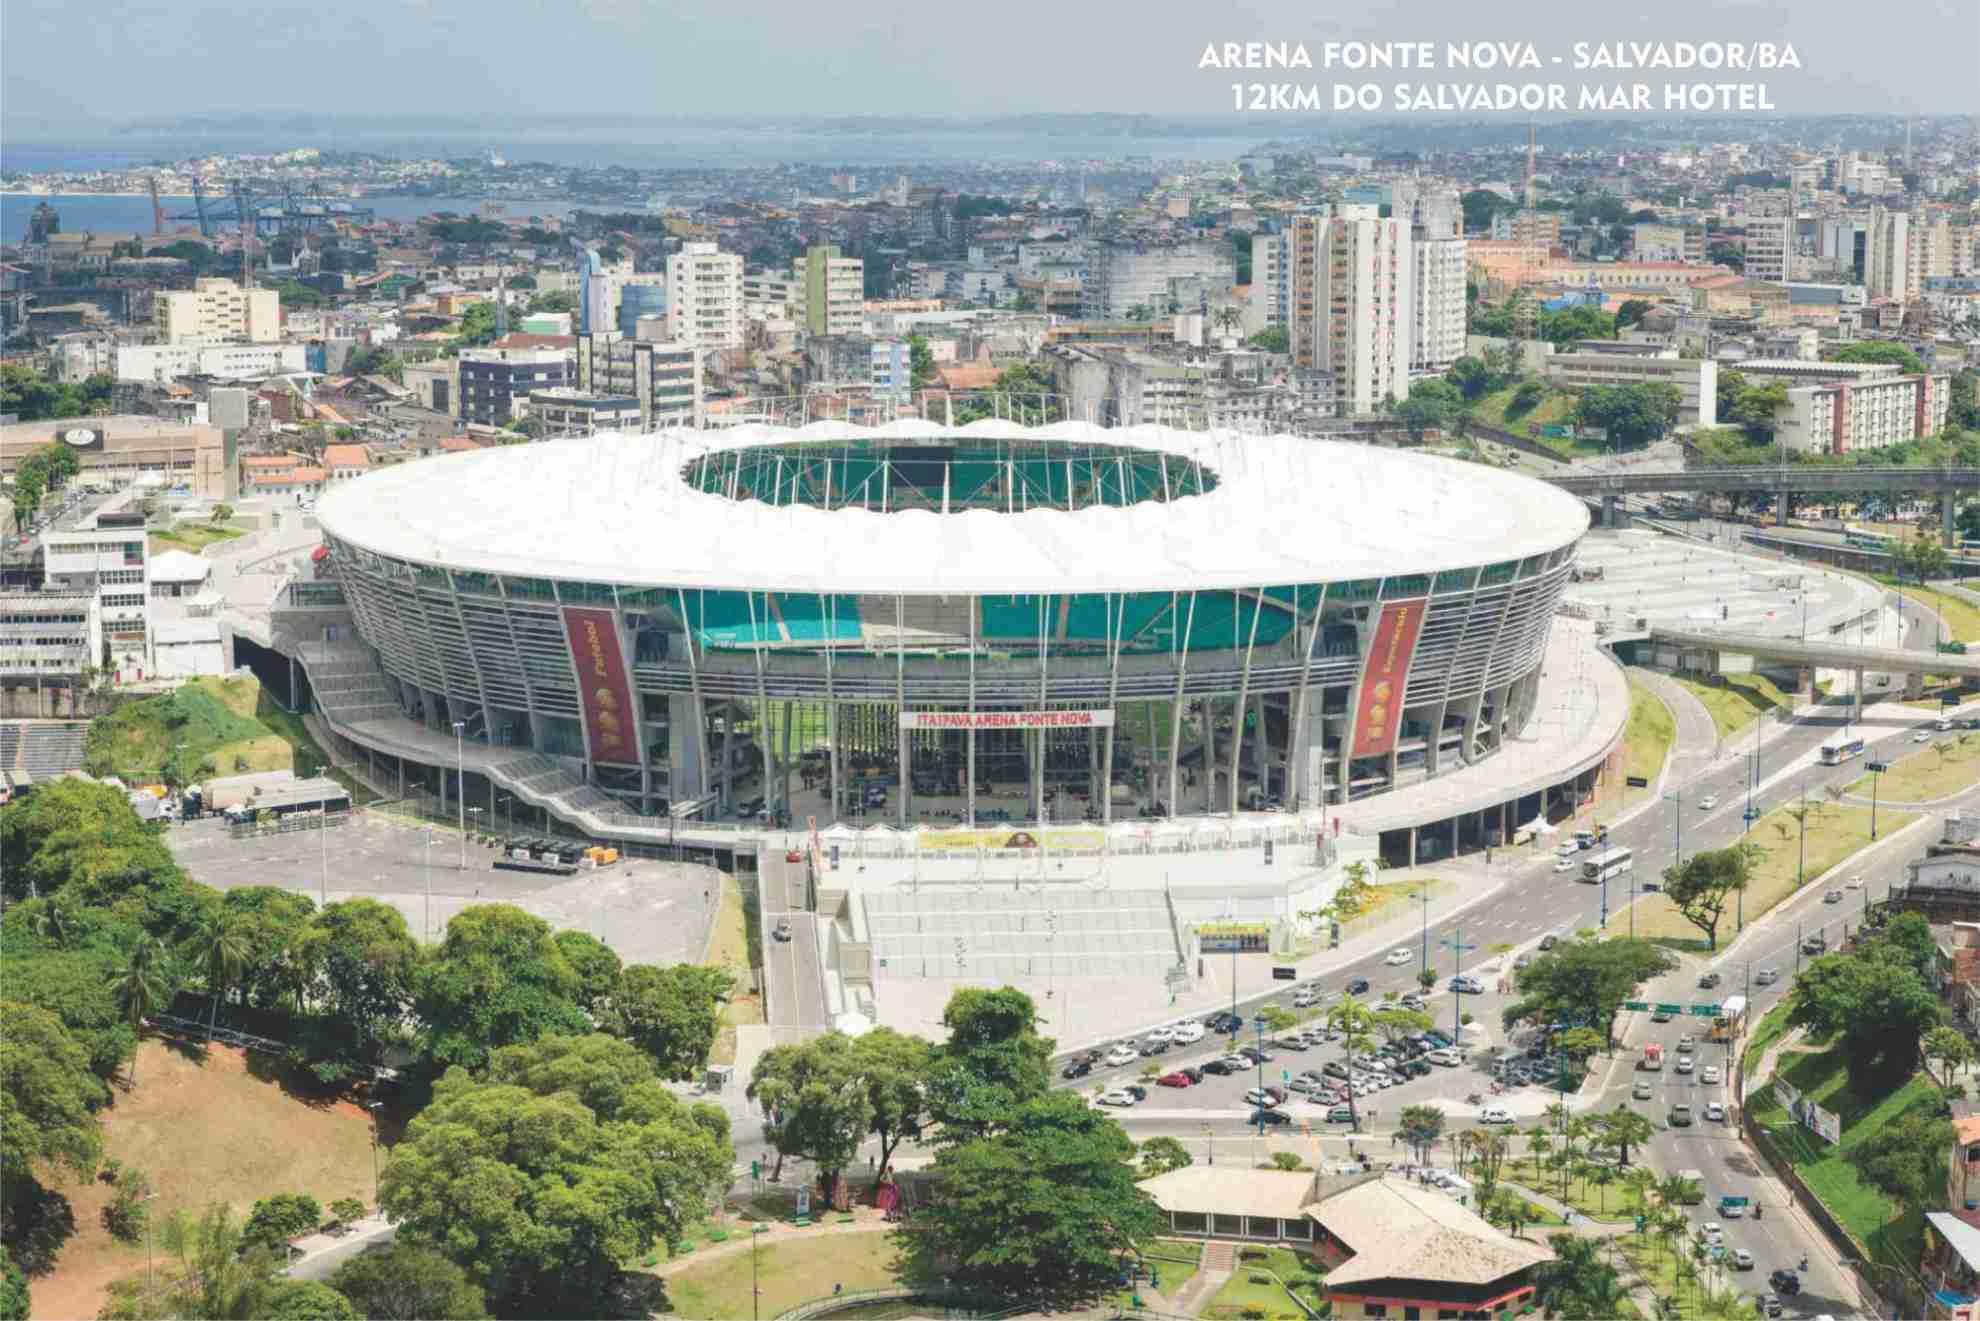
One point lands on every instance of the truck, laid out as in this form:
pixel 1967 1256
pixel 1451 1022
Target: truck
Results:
pixel 1653 1058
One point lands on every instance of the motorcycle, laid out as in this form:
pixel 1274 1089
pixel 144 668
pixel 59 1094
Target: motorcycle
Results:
pixel 1474 1099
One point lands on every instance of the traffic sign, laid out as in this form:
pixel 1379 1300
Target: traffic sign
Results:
pixel 1640 1006
pixel 1752 814
pixel 1637 781
pixel 1670 1009
pixel 1704 1011
pixel 1880 767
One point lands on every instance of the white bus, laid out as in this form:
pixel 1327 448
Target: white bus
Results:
pixel 1608 865
pixel 1835 754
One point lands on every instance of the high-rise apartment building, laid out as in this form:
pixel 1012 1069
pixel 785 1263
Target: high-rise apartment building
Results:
pixel 1435 217
pixel 216 311
pixel 1124 277
pixel 663 379
pixel 1770 249
pixel 705 298
pixel 1351 308
pixel 1887 254
pixel 1649 242
pixel 1270 285
pixel 834 291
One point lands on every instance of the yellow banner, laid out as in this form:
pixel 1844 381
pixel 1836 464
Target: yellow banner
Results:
pixel 1009 837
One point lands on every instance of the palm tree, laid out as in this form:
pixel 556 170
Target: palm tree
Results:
pixel 1353 1020
pixel 1623 1128
pixel 221 951
pixel 140 989
pixel 54 923
pixel 1602 1175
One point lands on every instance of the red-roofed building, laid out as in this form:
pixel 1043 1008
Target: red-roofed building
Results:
pixel 346 461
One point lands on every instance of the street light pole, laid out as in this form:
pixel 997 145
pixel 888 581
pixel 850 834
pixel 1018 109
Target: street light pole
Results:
pixel 374 1107
pixel 1424 895
pixel 426 928
pixel 1801 850
pixel 460 784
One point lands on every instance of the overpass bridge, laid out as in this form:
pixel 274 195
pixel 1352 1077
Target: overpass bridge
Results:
pixel 1783 481
pixel 1820 654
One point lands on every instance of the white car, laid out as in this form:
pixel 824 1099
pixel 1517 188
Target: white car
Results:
pixel 1742 1259
pixel 1716 1113
pixel 1713 1231
pixel 1921 737
pixel 1710 1073
pixel 1120 1055
pixel 1118 1096
pixel 1707 803
pixel 1398 957
pixel 1445 1056
pixel 1494 1114
pixel 1162 1034
pixel 1306 997
pixel 1565 864
pixel 1684 1064
pixel 1187 1034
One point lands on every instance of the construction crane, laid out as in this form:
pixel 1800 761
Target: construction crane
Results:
pixel 290 211
pixel 157 207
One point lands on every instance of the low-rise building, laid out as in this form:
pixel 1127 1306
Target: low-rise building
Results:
pixel 1697 379
pixel 495 380
pixel 571 412
pixel 157 363
pixel 665 378
pixel 48 637
pixel 189 454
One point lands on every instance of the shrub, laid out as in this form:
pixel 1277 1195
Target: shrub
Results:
pixel 275 1220
pixel 1286 1160
pixel 126 1214
pixel 345 1210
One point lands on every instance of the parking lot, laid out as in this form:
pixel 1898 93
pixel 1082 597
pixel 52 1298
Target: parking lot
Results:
pixel 646 911
pixel 1306 1063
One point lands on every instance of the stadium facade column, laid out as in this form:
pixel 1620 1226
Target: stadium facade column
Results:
pixel 786 757
pixel 728 754
pixel 1116 626
pixel 1299 733
pixel 1243 700
pixel 686 769
pixel 828 611
pixel 1176 711
pixel 969 735
pixel 1261 745
pixel 1035 739
pixel 905 766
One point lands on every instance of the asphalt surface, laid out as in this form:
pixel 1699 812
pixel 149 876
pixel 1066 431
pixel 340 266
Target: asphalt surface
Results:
pixel 793 974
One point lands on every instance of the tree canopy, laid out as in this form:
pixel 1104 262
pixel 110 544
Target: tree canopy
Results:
pixel 1874 1001
pixel 1047 1205
pixel 409 1282
pixel 48 1097
pixel 1877 350
pixel 1584 982
pixel 1704 885
pixel 993 1061
pixel 567 1158
pixel 497 979
pixel 1631 414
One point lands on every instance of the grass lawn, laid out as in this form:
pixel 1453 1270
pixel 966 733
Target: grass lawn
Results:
pixel 1835 830
pixel 1553 409
pixel 734 948
pixel 1176 1262
pixel 1867 1213
pixel 1949 766
pixel 1647 739
pixel 1962 616
pixel 205 728
pixel 1773 1025
pixel 1654 1261
pixel 193 537
pixel 1253 1287
pixel 203 1132
pixel 792 1271
pixel 1737 700
pixel 1615 1202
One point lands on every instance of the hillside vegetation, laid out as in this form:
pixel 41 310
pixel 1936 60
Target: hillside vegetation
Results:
pixel 203 729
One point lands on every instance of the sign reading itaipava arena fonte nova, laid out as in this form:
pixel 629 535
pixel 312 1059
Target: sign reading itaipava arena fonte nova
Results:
pixel 611 720
pixel 1007 719
pixel 1382 678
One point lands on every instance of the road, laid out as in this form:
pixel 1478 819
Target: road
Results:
pixel 793 976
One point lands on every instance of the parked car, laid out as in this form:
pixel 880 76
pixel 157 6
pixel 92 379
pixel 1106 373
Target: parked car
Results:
pixel 1120 1055
pixel 1078 1068
pixel 1270 1118
pixel 1185 1034
pixel 1340 1114
pixel 1412 1001
pixel 1256 1054
pixel 1154 1046
pixel 1136 1090
pixel 1117 1096
pixel 1266 1096
pixel 1308 1085
pixel 1708 980
pixel 1680 1116
pixel 1742 1260
pixel 1227 1064
pixel 1495 1114
pixel 1357 986
pixel 1398 957
pixel 1176 1079
pixel 1446 1056
pixel 1223 1021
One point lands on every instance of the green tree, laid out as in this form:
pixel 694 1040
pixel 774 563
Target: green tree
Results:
pixel 78 987
pixel 1623 1128
pixel 921 361
pixel 498 979
pixel 1923 556
pixel 672 1014
pixel 1963 400
pixel 477 326
pixel 1160 1155
pixel 1577 1284
pixel 1875 1004
pixel 597 969
pixel 894 1068
pixel 277 1219
pixel 1631 414
pixel 1272 339
pixel 1950 1047
pixel 1878 350
pixel 557 300
pixel 408 1282
pixel 363 965
pixel 1045 1206
pixel 1431 405
pixel 1481 205
pixel 309 1300
pixel 1420 1126
pixel 1632 312
pixel 15 1299
pixel 221 951
pixel 1584 982
pixel 993 1062
pixel 1355 1022
pixel 814 1103
pixel 1907 1162
pixel 568 1158
pixel 48 1097
pixel 272 923
pixel 346 1210
pixel 1703 887
pixel 1472 378
pixel 211 1272
pixel 141 989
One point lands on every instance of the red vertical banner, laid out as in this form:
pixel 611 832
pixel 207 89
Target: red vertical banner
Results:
pixel 605 696
pixel 1379 712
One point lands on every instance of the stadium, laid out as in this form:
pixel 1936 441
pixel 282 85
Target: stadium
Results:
pixel 942 626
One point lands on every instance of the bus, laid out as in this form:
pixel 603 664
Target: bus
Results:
pixel 1611 864
pixel 1867 541
pixel 1835 754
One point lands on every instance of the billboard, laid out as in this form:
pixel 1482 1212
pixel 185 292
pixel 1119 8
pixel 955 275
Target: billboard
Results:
pixel 605 696
pixel 81 438
pixel 1004 837
pixel 1826 1123
pixel 1102 719
pixel 1379 711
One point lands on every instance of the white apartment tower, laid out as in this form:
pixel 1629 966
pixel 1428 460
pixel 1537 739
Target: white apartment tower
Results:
pixel 1351 307
pixel 1887 254
pixel 1435 217
pixel 705 298
pixel 1770 249
pixel 217 311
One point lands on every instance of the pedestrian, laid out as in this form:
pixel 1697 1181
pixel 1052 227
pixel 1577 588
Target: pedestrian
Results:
pixel 1392 1142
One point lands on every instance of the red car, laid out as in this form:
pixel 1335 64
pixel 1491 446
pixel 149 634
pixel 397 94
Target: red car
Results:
pixel 1175 1080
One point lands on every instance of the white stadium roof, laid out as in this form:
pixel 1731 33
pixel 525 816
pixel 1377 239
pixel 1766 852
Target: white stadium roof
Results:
pixel 615 508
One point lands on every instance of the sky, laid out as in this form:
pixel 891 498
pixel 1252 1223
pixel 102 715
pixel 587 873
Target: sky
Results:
pixel 118 60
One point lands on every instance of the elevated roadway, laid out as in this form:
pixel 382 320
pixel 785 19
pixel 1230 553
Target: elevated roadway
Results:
pixel 1782 481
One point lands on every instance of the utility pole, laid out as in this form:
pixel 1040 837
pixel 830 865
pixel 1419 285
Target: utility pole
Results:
pixel 1457 947
pixel 1801 850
